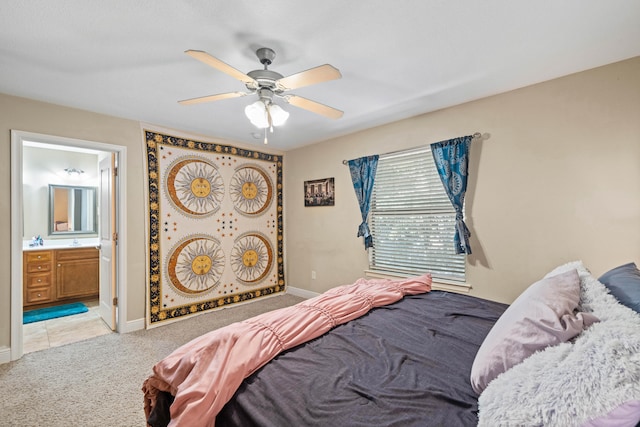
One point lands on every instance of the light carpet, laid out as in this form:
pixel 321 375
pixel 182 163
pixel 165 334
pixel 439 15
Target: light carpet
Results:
pixel 98 382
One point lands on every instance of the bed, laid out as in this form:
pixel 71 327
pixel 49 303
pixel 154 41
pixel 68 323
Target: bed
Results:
pixel 394 353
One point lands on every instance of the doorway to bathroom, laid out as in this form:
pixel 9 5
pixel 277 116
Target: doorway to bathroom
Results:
pixel 94 230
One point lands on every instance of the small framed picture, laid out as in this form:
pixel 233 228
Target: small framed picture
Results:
pixel 319 192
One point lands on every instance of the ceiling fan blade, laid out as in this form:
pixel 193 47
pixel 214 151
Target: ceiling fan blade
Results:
pixel 222 66
pixel 313 106
pixel 211 98
pixel 320 74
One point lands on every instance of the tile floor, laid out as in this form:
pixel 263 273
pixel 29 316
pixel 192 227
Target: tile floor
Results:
pixel 64 330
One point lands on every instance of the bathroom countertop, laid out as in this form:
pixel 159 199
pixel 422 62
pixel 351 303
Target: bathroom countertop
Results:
pixel 62 244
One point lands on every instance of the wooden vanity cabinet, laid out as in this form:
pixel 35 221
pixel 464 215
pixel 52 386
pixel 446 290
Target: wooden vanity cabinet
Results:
pixel 77 272
pixel 60 275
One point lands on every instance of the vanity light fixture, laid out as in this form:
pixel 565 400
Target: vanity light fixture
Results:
pixel 72 171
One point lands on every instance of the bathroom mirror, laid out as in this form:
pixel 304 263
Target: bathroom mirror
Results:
pixel 72 209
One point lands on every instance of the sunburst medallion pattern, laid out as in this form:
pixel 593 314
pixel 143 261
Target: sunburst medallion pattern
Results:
pixel 250 190
pixel 251 257
pixel 196 265
pixel 195 186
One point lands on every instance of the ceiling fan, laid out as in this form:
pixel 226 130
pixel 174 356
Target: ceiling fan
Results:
pixel 268 84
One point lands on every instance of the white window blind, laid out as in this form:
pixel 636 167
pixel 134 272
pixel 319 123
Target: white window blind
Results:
pixel 411 218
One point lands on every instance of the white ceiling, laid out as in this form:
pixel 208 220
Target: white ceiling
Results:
pixel 398 58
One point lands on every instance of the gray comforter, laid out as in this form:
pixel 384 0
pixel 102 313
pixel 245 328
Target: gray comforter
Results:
pixel 405 364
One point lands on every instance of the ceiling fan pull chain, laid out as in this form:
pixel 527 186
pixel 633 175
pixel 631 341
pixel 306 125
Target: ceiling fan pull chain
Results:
pixel 267 108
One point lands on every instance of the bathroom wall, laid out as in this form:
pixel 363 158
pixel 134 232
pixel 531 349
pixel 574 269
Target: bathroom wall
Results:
pixel 44 166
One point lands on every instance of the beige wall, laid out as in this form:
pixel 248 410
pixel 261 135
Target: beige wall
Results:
pixel 48 119
pixel 557 179
pixel 37 117
pixel 573 194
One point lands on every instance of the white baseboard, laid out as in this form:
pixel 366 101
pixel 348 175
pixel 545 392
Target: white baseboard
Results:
pixel 301 292
pixel 133 325
pixel 5 355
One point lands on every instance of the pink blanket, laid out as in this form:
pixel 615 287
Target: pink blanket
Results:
pixel 205 373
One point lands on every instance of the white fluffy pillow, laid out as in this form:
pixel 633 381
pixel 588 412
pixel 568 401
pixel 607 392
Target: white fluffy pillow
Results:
pixel 591 380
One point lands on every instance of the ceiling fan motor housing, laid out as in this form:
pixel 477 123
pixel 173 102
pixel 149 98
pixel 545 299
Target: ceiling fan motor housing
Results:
pixel 266 95
pixel 265 79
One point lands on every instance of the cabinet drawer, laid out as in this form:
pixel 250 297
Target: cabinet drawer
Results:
pixel 73 254
pixel 38 281
pixel 37 295
pixel 35 267
pixel 33 256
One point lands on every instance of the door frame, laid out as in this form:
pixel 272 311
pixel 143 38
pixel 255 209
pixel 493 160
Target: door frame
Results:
pixel 17 226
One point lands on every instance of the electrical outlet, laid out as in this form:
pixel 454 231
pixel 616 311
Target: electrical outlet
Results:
pixel 313 275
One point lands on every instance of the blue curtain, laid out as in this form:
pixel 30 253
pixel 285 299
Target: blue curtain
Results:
pixel 363 174
pixel 452 161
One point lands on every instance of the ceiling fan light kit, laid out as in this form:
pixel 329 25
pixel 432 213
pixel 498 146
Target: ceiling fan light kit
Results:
pixel 264 113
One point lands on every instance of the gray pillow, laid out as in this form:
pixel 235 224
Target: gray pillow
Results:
pixel 623 283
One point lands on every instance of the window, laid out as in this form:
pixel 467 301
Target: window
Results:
pixel 411 219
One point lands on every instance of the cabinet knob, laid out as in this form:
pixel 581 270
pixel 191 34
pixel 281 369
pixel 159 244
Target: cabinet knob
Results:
pixel 59 265
pixel 39 267
pixel 39 295
pixel 39 256
pixel 39 280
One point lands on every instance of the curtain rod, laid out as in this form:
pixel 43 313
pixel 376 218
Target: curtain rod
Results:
pixel 474 136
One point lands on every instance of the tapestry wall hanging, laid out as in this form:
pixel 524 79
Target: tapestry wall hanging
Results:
pixel 214 227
